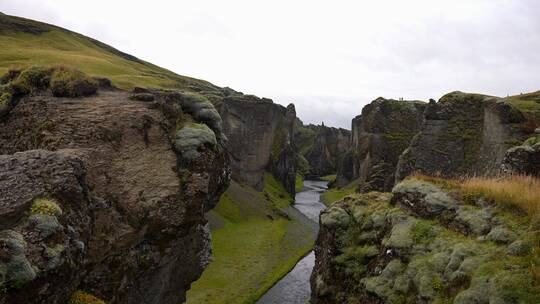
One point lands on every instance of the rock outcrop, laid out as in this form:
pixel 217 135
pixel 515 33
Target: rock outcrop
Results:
pixel 321 148
pixel 424 243
pixel 260 138
pixel 107 194
pixel 462 135
pixel 523 159
pixel 379 136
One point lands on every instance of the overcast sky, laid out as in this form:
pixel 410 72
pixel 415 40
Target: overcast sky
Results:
pixel 330 57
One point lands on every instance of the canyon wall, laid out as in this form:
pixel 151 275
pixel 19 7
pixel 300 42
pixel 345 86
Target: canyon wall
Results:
pixel 378 137
pixel 321 148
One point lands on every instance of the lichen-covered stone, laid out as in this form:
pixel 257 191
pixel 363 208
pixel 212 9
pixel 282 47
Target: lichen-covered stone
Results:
pixel 423 198
pixel 443 259
pixel 192 139
pixel 524 159
pixel 501 234
pixel 335 217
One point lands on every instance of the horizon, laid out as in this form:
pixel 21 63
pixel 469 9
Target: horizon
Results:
pixel 482 47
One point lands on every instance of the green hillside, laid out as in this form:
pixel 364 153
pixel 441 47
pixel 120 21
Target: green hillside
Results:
pixel 27 42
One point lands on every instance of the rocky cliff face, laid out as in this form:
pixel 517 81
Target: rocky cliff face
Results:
pixel 427 242
pixel 260 138
pixel 321 148
pixel 463 134
pixel 107 194
pixel 379 136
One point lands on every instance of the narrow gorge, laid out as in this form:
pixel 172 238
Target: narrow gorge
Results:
pixel 123 182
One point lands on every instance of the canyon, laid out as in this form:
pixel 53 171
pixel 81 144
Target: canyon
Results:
pixel 144 186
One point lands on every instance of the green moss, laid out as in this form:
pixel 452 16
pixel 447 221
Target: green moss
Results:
pixel 280 135
pixel 30 79
pixel 70 82
pixel 335 194
pixel 329 178
pixel 298 183
pixel 82 297
pixel 193 138
pixel 422 231
pixel 275 192
pixel 46 207
pixel 353 260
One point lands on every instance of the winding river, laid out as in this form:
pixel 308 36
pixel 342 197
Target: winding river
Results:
pixel 294 288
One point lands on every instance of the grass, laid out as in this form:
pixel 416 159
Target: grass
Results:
pixel 55 46
pixel 335 194
pixel 329 178
pixel 528 103
pixel 298 183
pixel 514 191
pixel 511 191
pixel 251 251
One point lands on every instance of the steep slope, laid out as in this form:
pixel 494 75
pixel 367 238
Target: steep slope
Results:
pixel 26 42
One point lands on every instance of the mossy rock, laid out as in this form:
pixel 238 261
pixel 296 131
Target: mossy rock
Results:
pixel 193 138
pixel 82 297
pixel 30 79
pixel 70 82
pixel 16 270
pixel 335 217
pixel 146 97
pixel 5 104
pixel 45 206
pixel 202 110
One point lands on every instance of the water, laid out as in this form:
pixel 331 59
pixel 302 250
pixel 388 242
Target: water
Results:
pixel 294 288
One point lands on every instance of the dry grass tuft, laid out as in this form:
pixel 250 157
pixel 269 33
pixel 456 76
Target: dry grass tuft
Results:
pixel 511 191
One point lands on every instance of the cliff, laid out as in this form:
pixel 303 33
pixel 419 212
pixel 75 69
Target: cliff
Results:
pixel 260 138
pixel 463 134
pixel 431 241
pixel 103 192
pixel 321 148
pixel 379 135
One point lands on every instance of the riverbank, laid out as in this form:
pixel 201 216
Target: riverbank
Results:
pixel 257 238
pixel 294 288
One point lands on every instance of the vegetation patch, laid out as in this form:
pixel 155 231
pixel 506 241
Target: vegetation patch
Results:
pixel 46 207
pixel 511 191
pixel 81 297
pixel 70 82
pixel 335 194
pixel 252 250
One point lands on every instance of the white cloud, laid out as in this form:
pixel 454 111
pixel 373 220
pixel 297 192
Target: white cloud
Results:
pixel 329 57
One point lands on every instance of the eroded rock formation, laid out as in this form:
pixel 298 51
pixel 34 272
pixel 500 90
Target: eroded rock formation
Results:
pixel 107 194
pixel 462 135
pixel 260 138
pixel 321 148
pixel 379 136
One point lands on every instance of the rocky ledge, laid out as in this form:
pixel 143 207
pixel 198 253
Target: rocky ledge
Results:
pixel 104 195
pixel 429 241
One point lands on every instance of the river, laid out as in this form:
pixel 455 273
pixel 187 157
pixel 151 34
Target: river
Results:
pixel 294 288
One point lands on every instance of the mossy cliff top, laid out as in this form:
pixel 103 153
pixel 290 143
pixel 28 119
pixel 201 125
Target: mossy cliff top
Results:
pixel 430 241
